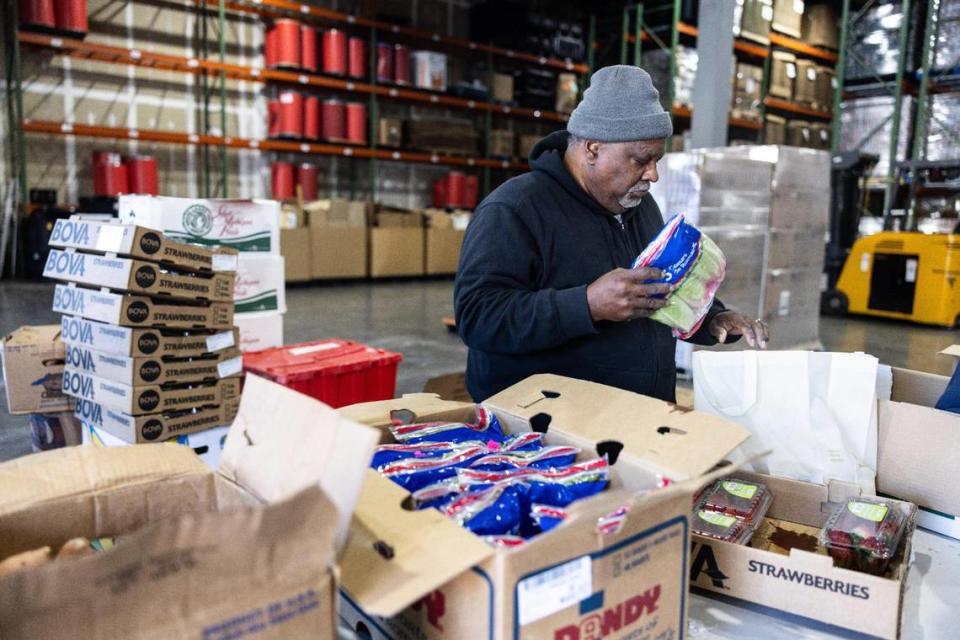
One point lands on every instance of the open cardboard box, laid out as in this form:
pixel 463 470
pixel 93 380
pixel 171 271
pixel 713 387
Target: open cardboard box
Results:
pixel 33 359
pixel 417 574
pixel 919 449
pixel 248 551
pixel 805 583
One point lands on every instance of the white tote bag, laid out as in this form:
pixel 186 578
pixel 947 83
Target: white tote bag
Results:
pixel 815 411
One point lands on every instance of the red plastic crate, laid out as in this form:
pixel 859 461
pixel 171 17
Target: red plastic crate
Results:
pixel 337 372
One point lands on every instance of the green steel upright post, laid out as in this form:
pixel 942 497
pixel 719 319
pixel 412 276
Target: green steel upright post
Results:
pixel 222 18
pixel 918 152
pixel 638 36
pixel 624 30
pixel 839 73
pixel 764 90
pixel 891 187
pixel 671 79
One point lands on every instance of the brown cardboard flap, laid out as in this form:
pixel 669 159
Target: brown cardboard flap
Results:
pixel 918 453
pixel 283 441
pixel 952 350
pixel 917 387
pixel 395 556
pixel 78 471
pixel 679 443
pixel 377 414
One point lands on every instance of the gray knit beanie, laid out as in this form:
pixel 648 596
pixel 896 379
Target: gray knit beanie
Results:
pixel 620 105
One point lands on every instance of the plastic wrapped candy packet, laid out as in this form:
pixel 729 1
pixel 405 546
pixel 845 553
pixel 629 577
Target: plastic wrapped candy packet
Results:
pixel 557 488
pixel 736 497
pixel 694 264
pixel 527 441
pixel 387 454
pixel 864 533
pixel 546 517
pixel 504 542
pixel 721 526
pixel 494 511
pixel 437 495
pixel 545 458
pixel 486 429
pixel 416 473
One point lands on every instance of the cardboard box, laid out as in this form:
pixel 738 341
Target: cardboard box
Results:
pixel 525 145
pixel 154 427
pixel 775 130
pixel 396 251
pixel 429 70
pixel 820 27
pixel 141 343
pixel 292 216
pixel 338 252
pixel 33 359
pixel 917 445
pixel 501 86
pixel 148 398
pixel 295 248
pixel 389 217
pixel 260 330
pixel 245 225
pixel 568 92
pixel 796 249
pixel 260 284
pixel 154 370
pixel 338 212
pixel 141 243
pixel 783 73
pixel 788 16
pixel 501 142
pixel 561 584
pixel 450 386
pixel 135 311
pixel 50 431
pixel 277 509
pixel 442 251
pixel 136 276
pixel 801 582
pixel 805 85
pixel 207 444
pixel 390 132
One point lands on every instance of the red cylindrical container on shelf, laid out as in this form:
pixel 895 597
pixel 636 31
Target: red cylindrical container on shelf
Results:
pixel 440 192
pixel 357 57
pixel 270 48
pixel 70 16
pixel 311 118
pixel 357 122
pixel 273 118
pixel 334 52
pixel 401 64
pixel 307 180
pixel 384 62
pixel 287 43
pixel 471 192
pixel 334 117
pixel 281 180
pixel 456 188
pixel 143 175
pixel 308 48
pixel 110 179
pixel 111 157
pixel 291 115
pixel 37 13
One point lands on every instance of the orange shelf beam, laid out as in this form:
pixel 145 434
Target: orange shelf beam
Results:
pixel 799 46
pixel 793 107
pixel 310 148
pixel 685 112
pixel 118 55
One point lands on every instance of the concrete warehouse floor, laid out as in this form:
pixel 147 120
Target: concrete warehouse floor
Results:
pixel 406 317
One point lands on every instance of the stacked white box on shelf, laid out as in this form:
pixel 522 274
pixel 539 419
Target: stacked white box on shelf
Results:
pixel 144 368
pixel 766 207
pixel 252 227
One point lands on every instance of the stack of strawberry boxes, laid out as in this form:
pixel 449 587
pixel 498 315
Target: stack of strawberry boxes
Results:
pixel 148 327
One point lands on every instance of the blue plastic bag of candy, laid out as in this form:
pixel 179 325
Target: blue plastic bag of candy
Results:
pixel 416 473
pixel 486 429
pixel 546 517
pixel 438 495
pixel 557 488
pixel 545 458
pixel 495 511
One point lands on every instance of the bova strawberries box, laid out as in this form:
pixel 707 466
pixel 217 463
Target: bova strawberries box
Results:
pixel 136 276
pixel 140 242
pixel 154 427
pixel 140 311
pixel 154 370
pixel 417 574
pixel 142 343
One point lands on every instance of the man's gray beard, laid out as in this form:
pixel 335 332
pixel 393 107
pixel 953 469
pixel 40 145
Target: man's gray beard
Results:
pixel 631 199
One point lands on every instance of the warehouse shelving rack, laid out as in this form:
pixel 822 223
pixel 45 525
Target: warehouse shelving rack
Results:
pixel 214 71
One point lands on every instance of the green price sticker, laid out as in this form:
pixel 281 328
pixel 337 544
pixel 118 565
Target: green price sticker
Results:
pixel 717 519
pixel 868 511
pixel 740 489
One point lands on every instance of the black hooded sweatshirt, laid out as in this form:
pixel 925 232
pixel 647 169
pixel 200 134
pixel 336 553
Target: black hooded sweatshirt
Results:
pixel 533 246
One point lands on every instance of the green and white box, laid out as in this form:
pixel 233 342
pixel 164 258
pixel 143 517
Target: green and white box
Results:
pixel 260 284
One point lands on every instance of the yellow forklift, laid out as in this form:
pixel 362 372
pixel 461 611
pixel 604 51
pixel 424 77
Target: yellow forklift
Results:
pixel 902 275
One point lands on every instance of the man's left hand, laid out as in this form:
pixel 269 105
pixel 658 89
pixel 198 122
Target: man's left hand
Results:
pixel 734 323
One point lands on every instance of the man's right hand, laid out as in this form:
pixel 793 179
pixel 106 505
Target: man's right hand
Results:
pixel 622 295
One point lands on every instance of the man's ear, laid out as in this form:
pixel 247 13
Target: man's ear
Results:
pixel 593 150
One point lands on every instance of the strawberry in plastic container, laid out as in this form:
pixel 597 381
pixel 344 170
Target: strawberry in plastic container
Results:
pixel 864 533
pixel 736 497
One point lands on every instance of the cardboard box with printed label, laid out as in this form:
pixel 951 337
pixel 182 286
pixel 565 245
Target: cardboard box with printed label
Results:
pixel 338 252
pixel 435 578
pixel 33 360
pixel 207 444
pixel 918 448
pixel 260 284
pixel 390 132
pixel 260 330
pixel 244 225
pixel 783 73
pixel 142 343
pixel 154 370
pixel 154 427
pixel 295 249
pixel 396 251
pixel 143 399
pixel 136 276
pixel 140 311
pixel 140 243
pixel 277 509
pixel 803 580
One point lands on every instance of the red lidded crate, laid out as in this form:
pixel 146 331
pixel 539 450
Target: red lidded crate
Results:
pixel 337 372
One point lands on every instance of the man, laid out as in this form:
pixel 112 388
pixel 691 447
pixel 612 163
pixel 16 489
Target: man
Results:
pixel 544 284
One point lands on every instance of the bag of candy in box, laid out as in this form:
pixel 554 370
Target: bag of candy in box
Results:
pixel 694 264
